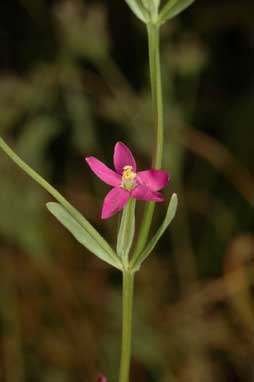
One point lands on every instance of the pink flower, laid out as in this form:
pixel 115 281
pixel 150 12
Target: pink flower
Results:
pixel 126 182
pixel 101 378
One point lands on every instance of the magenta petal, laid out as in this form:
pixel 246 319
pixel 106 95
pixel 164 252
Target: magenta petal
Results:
pixel 114 201
pixel 153 179
pixel 103 172
pixel 101 378
pixel 142 192
pixel 123 157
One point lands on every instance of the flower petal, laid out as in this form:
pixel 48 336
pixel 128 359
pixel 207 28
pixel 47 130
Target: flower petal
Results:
pixel 114 201
pixel 103 172
pixel 153 179
pixel 142 192
pixel 101 378
pixel 123 157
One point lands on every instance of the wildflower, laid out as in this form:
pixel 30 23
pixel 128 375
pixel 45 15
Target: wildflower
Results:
pixel 126 181
pixel 101 378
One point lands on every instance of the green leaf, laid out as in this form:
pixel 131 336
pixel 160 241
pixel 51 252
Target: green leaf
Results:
pixel 127 230
pixel 138 10
pixel 76 215
pixel 82 235
pixel 151 245
pixel 172 9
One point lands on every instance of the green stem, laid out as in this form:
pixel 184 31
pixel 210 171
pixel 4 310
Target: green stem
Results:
pixel 156 88
pixel 128 283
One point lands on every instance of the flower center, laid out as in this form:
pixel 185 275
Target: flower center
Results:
pixel 128 178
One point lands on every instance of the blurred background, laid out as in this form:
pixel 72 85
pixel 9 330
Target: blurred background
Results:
pixel 73 81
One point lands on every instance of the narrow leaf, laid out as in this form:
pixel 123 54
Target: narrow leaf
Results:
pixel 151 245
pixel 82 235
pixel 56 194
pixel 127 230
pixel 172 9
pixel 138 10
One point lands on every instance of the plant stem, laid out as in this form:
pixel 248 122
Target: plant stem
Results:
pixel 127 296
pixel 156 88
pixel 153 31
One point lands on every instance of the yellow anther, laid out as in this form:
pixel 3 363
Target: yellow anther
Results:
pixel 128 173
pixel 128 178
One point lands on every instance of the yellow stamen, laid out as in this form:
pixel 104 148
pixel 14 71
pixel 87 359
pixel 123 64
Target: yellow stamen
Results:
pixel 128 178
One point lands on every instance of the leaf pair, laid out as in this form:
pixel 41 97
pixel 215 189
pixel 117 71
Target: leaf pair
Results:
pixel 170 10
pixel 85 233
pixel 100 247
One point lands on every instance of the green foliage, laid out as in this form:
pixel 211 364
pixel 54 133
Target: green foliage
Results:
pixel 194 300
pixel 126 231
pixel 65 204
pixel 138 9
pixel 81 234
pixel 147 10
pixel 171 211
pixel 172 9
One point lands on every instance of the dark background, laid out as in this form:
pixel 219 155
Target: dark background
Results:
pixel 73 81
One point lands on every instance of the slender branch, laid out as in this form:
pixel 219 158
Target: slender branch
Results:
pixel 156 88
pixel 128 277
pixel 153 31
pixel 127 302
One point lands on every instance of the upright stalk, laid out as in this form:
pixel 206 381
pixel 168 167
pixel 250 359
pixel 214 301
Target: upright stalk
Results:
pixel 153 31
pixel 128 277
pixel 128 282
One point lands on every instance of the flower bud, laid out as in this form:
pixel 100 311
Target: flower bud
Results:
pixel 101 378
